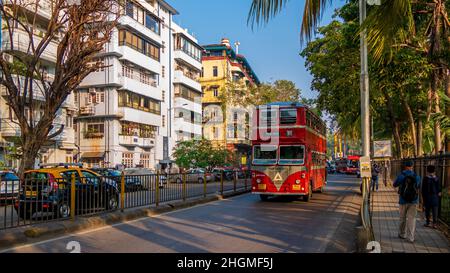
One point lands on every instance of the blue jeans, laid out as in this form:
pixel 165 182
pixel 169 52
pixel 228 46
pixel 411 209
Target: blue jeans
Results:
pixel 374 183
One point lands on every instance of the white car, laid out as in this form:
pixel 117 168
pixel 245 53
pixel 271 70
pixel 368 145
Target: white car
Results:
pixel 9 186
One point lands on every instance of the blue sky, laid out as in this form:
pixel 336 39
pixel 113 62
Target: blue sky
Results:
pixel 273 50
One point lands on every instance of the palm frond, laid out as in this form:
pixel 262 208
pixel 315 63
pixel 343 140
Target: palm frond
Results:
pixel 262 11
pixel 312 14
pixel 385 24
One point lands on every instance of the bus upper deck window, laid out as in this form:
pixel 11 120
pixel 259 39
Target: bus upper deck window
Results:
pixel 288 116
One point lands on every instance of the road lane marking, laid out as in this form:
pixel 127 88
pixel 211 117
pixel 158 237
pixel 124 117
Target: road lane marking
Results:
pixel 115 225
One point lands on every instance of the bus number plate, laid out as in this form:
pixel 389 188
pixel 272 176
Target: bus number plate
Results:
pixel 296 187
pixel 262 187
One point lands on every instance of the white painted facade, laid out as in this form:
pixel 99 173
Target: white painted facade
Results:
pixel 60 149
pixel 187 121
pixel 127 110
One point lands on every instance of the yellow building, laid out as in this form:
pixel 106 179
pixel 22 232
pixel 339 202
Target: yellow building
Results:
pixel 225 123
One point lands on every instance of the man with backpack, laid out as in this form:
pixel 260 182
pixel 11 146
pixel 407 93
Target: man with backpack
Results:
pixel 431 192
pixel 408 183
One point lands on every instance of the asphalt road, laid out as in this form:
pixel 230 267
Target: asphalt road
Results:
pixel 170 192
pixel 242 224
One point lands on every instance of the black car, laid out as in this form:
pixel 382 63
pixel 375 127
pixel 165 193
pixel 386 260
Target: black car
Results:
pixel 48 191
pixel 132 183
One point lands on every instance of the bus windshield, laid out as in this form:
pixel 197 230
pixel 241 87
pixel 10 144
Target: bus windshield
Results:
pixel 290 155
pixel 265 155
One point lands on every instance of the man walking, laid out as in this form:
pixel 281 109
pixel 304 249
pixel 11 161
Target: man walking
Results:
pixel 375 174
pixel 431 192
pixel 408 183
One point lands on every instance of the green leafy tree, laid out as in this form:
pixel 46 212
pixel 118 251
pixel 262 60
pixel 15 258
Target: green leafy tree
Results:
pixel 199 153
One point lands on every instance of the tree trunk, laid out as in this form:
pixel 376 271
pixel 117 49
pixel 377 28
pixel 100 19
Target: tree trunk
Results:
pixel 419 137
pixel 437 108
pixel 394 124
pixel 412 124
pixel 447 109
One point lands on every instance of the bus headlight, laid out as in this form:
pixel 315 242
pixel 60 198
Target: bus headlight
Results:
pixel 297 181
pixel 303 175
pixel 258 181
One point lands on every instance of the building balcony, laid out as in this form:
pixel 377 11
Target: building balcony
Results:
pixel 87 111
pixel 9 129
pixel 182 125
pixel 141 117
pixel 21 42
pixel 136 141
pixel 188 80
pixel 148 88
pixel 179 54
pixel 134 56
pixel 133 24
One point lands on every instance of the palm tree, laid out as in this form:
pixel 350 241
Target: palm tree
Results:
pixel 393 24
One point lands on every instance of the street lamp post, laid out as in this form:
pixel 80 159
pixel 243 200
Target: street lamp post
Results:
pixel 365 93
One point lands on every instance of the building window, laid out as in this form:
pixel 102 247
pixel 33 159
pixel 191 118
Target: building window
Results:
pixel 163 121
pixel 94 130
pixel 163 74
pixel 185 45
pixel 145 161
pixel 215 92
pixel 139 102
pixel 215 71
pixel 69 121
pixel 215 132
pixel 128 160
pixel 164 96
pixel 126 38
pixel 186 93
pixel 202 73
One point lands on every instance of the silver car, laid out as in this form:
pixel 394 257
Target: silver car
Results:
pixel 196 176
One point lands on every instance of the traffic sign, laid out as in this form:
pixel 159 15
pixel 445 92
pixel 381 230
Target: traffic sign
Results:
pixel 365 167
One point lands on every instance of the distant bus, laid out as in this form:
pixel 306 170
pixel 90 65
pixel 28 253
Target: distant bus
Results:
pixel 296 164
pixel 348 165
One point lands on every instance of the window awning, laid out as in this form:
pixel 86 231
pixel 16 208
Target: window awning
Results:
pixel 93 155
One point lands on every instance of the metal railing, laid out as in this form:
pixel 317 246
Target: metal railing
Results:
pixel 442 164
pixel 36 200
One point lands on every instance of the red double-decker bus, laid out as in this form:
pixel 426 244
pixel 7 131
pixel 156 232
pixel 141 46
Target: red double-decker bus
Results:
pixel 289 151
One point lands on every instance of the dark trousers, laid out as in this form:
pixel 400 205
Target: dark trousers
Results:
pixel 431 210
pixel 374 183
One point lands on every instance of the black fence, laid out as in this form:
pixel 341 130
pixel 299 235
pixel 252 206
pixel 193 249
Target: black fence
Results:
pixel 442 164
pixel 36 200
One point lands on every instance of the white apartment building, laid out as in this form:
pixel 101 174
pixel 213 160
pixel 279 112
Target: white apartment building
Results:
pixel 126 110
pixel 62 148
pixel 187 55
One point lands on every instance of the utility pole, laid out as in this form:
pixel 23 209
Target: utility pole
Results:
pixel 364 84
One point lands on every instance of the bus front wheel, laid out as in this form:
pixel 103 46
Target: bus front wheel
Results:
pixel 308 197
pixel 264 197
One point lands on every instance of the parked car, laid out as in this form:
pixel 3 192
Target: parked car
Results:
pixel 331 167
pixel 144 176
pixel 47 190
pixel 196 175
pixel 9 186
pixel 132 183
pixel 227 173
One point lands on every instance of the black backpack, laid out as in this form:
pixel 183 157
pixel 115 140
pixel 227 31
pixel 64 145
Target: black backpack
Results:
pixel 408 191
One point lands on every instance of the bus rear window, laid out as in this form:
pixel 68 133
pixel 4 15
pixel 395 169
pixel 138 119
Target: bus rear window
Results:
pixel 288 116
pixel 265 154
pixel 292 155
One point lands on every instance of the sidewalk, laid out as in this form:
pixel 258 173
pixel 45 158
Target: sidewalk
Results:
pixel 385 221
